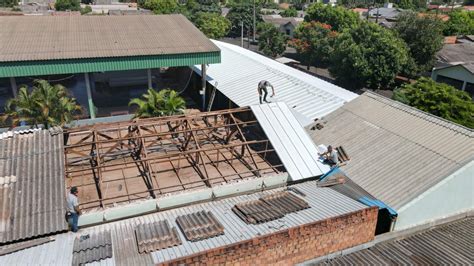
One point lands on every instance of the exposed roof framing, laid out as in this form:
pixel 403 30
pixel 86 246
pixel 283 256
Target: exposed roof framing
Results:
pixel 123 162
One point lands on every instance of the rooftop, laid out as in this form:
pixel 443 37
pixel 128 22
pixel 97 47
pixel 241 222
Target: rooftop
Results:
pixel 442 245
pixel 77 37
pixel 240 71
pixel 458 53
pixel 397 152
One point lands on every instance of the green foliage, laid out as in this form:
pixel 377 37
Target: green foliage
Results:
pixel 423 36
pixel 290 12
pixel 8 3
pixel 313 40
pixel 242 12
pixel 47 105
pixel 461 22
pixel 468 2
pixel 411 4
pixel 213 25
pixel 193 7
pixel 367 56
pixel 338 17
pixel 85 10
pixel 438 99
pixel 271 41
pixel 67 5
pixel 163 103
pixel 162 6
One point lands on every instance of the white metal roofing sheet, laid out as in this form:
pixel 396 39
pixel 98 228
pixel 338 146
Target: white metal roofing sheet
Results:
pixel 240 70
pixel 292 144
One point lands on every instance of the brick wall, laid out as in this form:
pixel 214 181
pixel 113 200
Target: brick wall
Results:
pixel 293 245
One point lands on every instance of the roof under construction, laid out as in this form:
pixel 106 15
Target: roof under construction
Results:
pixel 124 162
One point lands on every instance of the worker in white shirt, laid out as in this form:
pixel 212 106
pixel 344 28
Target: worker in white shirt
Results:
pixel 330 157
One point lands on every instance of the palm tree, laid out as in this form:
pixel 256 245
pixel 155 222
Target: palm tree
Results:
pixel 46 104
pixel 163 103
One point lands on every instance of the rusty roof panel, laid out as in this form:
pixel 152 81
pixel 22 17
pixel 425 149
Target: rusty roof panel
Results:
pixel 156 236
pixel 32 189
pixel 199 225
pixel 92 247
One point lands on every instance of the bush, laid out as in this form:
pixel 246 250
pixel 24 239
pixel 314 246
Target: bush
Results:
pixel 67 5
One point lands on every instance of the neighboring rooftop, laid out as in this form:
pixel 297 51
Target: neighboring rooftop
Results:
pixel 32 185
pixel 278 20
pixel 238 74
pixel 449 244
pixel 323 203
pixel 458 53
pixel 397 152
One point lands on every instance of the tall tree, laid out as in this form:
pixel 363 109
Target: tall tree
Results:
pixel 163 103
pixel 213 25
pixel 423 36
pixel 242 13
pixel 67 5
pixel 271 41
pixel 313 40
pixel 367 56
pixel 162 6
pixel 290 12
pixel 47 105
pixel 438 99
pixel 460 22
pixel 338 17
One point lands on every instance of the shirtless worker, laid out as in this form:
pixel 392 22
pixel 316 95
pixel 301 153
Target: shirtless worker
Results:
pixel 262 89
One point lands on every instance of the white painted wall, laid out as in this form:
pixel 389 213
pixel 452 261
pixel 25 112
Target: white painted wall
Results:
pixel 455 194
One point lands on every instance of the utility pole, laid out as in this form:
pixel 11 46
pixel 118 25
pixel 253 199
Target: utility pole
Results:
pixel 254 20
pixel 242 33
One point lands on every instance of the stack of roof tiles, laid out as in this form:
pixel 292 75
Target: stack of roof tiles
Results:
pixel 156 236
pixel 90 248
pixel 269 208
pixel 32 192
pixel 200 225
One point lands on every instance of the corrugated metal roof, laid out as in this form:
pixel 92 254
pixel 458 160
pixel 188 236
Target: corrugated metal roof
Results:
pixel 397 152
pixel 32 202
pixel 241 70
pixel 292 144
pixel 73 37
pixel 449 244
pixel 324 203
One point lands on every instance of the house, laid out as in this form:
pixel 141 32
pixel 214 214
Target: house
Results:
pixel 455 65
pixel 388 12
pixel 284 24
pixel 419 165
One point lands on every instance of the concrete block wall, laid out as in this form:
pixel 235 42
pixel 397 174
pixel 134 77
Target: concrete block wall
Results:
pixel 293 245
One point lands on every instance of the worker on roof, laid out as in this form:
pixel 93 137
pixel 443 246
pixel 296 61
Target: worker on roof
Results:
pixel 262 89
pixel 73 212
pixel 330 156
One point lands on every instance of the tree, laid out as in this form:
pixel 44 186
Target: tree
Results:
pixel 242 13
pixel 290 12
pixel 271 41
pixel 460 22
pixel 213 25
pixel 46 104
pixel 338 17
pixel 163 103
pixel 162 6
pixel 313 40
pixel 8 3
pixel 424 38
pixel 67 5
pixel 367 56
pixel 438 99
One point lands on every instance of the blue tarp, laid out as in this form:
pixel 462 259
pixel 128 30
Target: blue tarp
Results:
pixel 374 202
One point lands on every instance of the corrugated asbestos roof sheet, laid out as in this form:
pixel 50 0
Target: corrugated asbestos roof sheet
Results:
pixel 294 147
pixel 32 194
pixel 95 247
pixel 241 70
pixel 449 244
pixel 324 203
pixel 199 225
pixel 156 236
pixel 397 152
pixel 74 37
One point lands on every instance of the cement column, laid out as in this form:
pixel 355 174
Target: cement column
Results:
pixel 464 86
pixel 14 87
pixel 89 96
pixel 203 86
pixel 150 85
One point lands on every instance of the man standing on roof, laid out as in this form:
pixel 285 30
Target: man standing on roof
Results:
pixel 262 89
pixel 330 157
pixel 73 211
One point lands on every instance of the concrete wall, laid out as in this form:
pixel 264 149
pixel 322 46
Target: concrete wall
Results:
pixel 293 245
pixel 455 194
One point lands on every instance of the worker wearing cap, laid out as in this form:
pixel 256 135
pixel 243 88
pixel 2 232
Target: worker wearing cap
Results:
pixel 73 211
pixel 262 89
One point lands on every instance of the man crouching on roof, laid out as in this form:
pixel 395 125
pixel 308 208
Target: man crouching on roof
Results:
pixel 330 156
